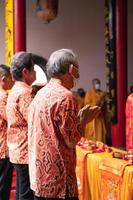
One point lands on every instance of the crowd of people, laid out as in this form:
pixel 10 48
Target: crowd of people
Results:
pixel 39 128
pixel 97 129
pixel 39 132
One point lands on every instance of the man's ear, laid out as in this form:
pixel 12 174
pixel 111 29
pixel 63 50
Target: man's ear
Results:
pixel 3 78
pixel 24 72
pixel 73 70
pixel 71 67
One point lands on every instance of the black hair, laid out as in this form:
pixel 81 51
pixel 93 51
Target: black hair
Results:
pixel 20 61
pixel 131 89
pixel 81 92
pixel 4 70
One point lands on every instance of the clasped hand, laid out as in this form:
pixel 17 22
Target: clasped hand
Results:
pixel 88 113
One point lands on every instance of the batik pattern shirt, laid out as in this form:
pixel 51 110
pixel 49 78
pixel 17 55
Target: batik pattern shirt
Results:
pixel 17 113
pixel 54 131
pixel 129 122
pixel 3 125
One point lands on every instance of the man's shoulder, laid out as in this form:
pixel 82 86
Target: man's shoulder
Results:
pixel 3 94
pixel 57 94
pixel 19 93
pixel 59 90
pixel 65 93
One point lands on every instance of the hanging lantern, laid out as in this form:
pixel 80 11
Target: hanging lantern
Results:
pixel 47 9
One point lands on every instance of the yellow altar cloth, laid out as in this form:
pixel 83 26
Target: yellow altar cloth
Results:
pixel 90 178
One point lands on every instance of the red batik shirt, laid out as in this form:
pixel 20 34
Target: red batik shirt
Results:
pixel 17 113
pixel 3 124
pixel 54 131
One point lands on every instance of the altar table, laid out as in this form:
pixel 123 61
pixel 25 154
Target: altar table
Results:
pixel 92 182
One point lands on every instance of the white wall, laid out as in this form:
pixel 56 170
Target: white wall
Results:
pixel 79 26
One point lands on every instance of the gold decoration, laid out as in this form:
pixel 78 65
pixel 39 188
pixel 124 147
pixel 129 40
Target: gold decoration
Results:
pixel 9 33
pixel 110 58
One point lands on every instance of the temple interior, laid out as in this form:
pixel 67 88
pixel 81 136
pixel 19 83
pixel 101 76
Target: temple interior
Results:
pixel 101 35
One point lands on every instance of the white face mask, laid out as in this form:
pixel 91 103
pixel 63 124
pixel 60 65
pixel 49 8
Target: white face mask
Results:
pixel 97 86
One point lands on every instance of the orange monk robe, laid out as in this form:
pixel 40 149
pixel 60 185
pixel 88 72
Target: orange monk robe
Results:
pixel 129 122
pixel 80 101
pixel 95 130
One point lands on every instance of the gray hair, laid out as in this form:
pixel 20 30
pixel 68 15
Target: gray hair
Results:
pixel 20 61
pixel 60 61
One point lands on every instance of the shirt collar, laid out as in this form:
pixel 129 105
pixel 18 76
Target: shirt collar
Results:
pixel 55 81
pixel 23 84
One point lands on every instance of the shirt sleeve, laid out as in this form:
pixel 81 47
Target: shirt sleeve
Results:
pixel 24 102
pixel 68 122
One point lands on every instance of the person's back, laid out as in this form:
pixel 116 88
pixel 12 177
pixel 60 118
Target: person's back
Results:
pixel 58 104
pixel 54 129
pixel 5 166
pixel 19 99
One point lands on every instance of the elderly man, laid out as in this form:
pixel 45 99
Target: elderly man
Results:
pixel 19 99
pixel 54 130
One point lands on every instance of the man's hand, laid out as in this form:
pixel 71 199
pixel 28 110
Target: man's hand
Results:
pixel 88 113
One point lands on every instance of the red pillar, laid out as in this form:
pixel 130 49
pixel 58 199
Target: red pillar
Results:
pixel 118 130
pixel 19 25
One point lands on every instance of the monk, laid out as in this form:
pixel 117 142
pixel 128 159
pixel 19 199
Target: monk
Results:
pixel 54 129
pixel 96 130
pixel 19 99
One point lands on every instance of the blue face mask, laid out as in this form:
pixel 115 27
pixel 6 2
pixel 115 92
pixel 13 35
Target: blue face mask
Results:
pixel 97 86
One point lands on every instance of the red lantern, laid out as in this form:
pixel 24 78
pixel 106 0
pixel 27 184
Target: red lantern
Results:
pixel 47 9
